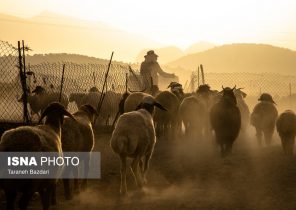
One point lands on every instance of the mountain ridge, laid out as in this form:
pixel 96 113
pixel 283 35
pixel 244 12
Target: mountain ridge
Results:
pixel 240 57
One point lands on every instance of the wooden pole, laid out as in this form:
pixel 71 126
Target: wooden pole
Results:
pixel 126 81
pixel 104 84
pixel 62 83
pixel 94 78
pixel 290 94
pixel 202 74
pixel 198 77
pixel 134 74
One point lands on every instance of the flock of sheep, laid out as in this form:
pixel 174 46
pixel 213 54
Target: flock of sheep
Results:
pixel 204 114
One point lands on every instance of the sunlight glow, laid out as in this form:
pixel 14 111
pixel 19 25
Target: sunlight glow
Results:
pixel 179 23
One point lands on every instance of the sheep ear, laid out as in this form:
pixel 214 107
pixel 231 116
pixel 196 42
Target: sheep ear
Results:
pixel 139 106
pixel 223 87
pixel 66 113
pixel 44 114
pixel 234 88
pixel 91 109
pixel 57 108
pixel 160 106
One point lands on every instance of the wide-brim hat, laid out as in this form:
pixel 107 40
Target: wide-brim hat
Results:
pixel 151 53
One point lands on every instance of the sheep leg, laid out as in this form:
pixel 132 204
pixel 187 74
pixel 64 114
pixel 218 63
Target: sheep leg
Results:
pixel 158 129
pixel 291 143
pixel 268 136
pixel 146 167
pixel 10 198
pixel 76 180
pixel 288 145
pixel 259 136
pixel 53 195
pixel 228 149
pixel 67 190
pixel 222 150
pixel 25 199
pixel 45 197
pixel 199 133
pixel 86 171
pixel 142 169
pixel 186 127
pixel 123 188
pixel 135 170
pixel 141 164
pixel 166 130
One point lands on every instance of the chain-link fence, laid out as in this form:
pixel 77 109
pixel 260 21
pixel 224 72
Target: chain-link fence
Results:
pixel 78 79
pixel 281 87
pixel 10 86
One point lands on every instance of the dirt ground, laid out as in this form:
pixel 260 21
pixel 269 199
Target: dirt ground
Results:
pixel 190 174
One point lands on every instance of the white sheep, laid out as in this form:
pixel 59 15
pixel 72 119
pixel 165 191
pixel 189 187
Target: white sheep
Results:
pixel 41 99
pixel 40 138
pixel 109 106
pixel 46 97
pixel 133 100
pixel 134 137
pixel 35 105
pixel 78 136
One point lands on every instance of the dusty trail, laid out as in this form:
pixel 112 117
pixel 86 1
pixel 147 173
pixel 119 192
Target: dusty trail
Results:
pixel 188 174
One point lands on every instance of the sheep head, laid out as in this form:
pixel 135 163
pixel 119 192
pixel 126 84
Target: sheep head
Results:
pixel 239 93
pixel 266 97
pixel 56 110
pixel 91 112
pixel 148 103
pixel 177 89
pixel 39 90
pixel 228 95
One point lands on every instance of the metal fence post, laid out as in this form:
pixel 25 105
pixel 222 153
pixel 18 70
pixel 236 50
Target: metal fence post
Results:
pixel 62 83
pixel 22 72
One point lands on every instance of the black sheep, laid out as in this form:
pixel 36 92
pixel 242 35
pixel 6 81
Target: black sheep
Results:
pixel 263 118
pixel 225 119
pixel 286 127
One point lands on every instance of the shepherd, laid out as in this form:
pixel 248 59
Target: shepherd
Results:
pixel 150 69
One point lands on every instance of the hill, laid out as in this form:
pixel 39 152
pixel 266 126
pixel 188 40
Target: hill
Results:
pixel 252 58
pixel 171 53
pixel 53 33
pixel 64 57
pixel 199 47
pixel 166 54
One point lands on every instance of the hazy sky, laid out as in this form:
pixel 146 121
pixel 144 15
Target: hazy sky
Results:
pixel 180 23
